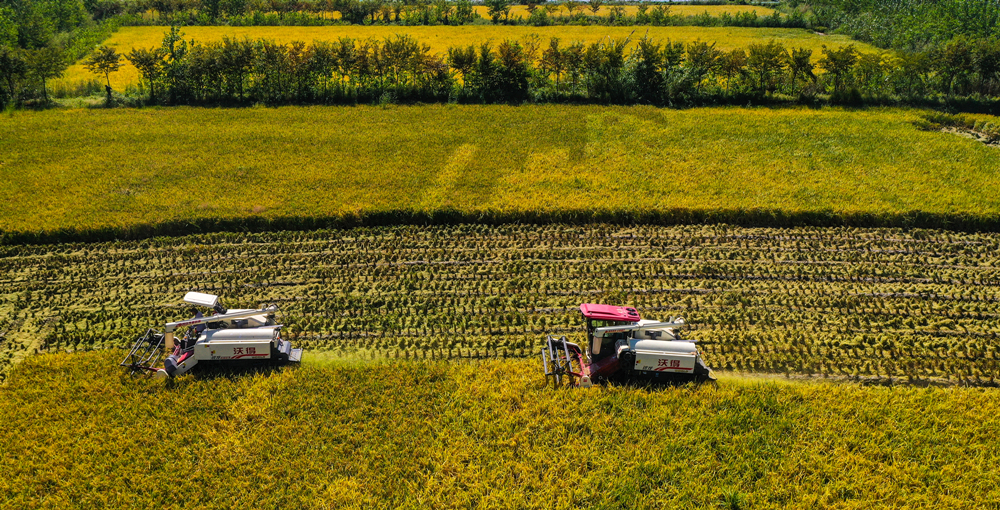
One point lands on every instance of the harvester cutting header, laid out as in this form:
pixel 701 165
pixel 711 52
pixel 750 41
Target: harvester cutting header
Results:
pixel 623 346
pixel 226 336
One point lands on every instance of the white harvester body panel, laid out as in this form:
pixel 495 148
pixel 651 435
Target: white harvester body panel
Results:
pixel 653 361
pixel 664 355
pixel 675 346
pixel 235 344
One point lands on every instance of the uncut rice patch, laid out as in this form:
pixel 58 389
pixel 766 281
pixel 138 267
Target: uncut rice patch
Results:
pixel 349 434
pixel 119 168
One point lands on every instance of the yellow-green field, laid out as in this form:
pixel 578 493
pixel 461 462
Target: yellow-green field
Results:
pixel 631 10
pixel 119 168
pixel 78 433
pixel 440 38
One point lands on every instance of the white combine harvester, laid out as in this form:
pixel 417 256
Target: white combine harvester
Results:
pixel 227 336
pixel 624 347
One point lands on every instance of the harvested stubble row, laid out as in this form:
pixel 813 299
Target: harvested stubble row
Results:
pixel 876 302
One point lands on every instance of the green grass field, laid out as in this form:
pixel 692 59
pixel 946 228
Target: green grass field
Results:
pixel 85 169
pixel 440 38
pixel 78 433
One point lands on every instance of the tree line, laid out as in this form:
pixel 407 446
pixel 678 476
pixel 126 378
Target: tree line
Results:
pixel 615 71
pixel 450 12
pixel 905 24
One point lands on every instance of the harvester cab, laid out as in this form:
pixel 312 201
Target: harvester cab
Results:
pixel 621 345
pixel 224 336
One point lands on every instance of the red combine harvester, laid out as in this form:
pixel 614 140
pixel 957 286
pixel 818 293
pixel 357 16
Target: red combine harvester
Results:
pixel 624 347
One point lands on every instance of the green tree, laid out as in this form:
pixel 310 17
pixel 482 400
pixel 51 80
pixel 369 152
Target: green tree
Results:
pixel 765 61
pixel 571 5
pixel 732 64
pixel 955 62
pixel 8 27
pixel 870 72
pixel 105 60
pixel 497 9
pixel 839 63
pixel 13 69
pixel 463 12
pixel 647 69
pixel 595 5
pixel 462 60
pixel 800 66
pixel 552 60
pixel 512 72
pixel 702 59
pixel 443 10
pixel 34 29
pixel 65 15
pixel 531 5
pixel 150 66
pixel 45 63
pixel 987 57
pixel 573 57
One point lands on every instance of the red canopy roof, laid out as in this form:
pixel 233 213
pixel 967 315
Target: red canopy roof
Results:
pixel 610 313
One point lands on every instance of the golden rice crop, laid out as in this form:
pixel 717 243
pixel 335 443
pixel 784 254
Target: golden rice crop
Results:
pixel 348 434
pixel 119 168
pixel 440 38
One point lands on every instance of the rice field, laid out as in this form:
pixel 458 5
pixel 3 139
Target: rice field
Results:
pixel 440 38
pixel 350 434
pixel 861 303
pixel 521 11
pixel 92 169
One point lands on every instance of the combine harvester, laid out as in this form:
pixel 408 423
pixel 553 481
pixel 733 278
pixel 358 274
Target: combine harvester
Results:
pixel 624 347
pixel 227 337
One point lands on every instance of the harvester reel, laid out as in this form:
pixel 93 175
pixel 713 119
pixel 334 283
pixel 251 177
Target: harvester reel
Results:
pixel 145 353
pixel 557 360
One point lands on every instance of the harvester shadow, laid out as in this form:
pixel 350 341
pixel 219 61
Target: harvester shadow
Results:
pixel 655 386
pixel 646 386
pixel 229 373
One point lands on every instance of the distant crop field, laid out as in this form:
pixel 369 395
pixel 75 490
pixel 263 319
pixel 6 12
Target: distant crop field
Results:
pixel 521 11
pixel 631 10
pixel 440 38
pixel 349 434
pixel 865 303
pixel 89 169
